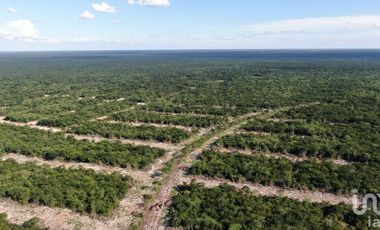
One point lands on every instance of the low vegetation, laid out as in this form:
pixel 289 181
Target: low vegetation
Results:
pixel 32 142
pixel 224 207
pixel 313 146
pixel 31 224
pixel 309 174
pixel 79 190
pixel 111 130
pixel 162 118
pixel 288 127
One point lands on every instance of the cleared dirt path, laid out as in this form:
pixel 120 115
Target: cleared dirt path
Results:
pixel 53 218
pixel 22 159
pixel 153 219
pixel 300 195
pixel 153 144
pixel 32 124
pixel 137 124
pixel 292 158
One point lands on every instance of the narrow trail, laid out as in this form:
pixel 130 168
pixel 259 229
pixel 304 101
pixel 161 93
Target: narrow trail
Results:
pixel 32 124
pixel 137 124
pixel 260 190
pixel 292 158
pixel 52 218
pixel 139 175
pixel 153 144
pixel 153 220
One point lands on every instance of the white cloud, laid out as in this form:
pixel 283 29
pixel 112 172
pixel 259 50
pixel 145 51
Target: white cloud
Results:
pixel 19 29
pixel 12 11
pixel 156 3
pixel 87 15
pixel 318 25
pixel 104 7
pixel 327 32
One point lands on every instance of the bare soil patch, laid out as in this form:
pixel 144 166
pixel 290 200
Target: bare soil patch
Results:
pixel 21 159
pixel 281 155
pixel 300 195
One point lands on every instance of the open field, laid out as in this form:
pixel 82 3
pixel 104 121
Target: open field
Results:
pixel 121 140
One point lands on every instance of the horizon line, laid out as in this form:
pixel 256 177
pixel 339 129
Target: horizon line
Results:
pixel 207 49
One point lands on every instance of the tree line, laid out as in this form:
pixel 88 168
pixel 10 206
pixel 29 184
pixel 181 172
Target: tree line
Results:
pixel 309 174
pixel 80 190
pixel 32 224
pixel 312 146
pixel 162 118
pixel 37 143
pixel 225 207
pixel 145 132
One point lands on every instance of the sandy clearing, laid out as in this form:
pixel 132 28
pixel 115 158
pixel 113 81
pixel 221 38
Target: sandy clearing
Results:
pixel 96 139
pixel 261 190
pixel 32 124
pixel 53 218
pixel 183 114
pixel 102 118
pixel 137 124
pixel 281 120
pixel 242 131
pixel 281 155
pixel 21 159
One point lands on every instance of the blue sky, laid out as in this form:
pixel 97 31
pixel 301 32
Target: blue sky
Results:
pixel 188 24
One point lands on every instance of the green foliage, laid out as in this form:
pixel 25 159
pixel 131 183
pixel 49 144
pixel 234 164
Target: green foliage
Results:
pixel 224 207
pixel 308 174
pixel 15 118
pixel 69 90
pixel 79 190
pixel 146 132
pixel 216 110
pixel 289 127
pixel 359 110
pixel 31 224
pixel 32 142
pixel 347 147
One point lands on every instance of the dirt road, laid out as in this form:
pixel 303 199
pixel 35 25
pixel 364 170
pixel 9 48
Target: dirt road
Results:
pixel 153 220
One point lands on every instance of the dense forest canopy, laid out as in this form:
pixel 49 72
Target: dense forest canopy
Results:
pixel 49 84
